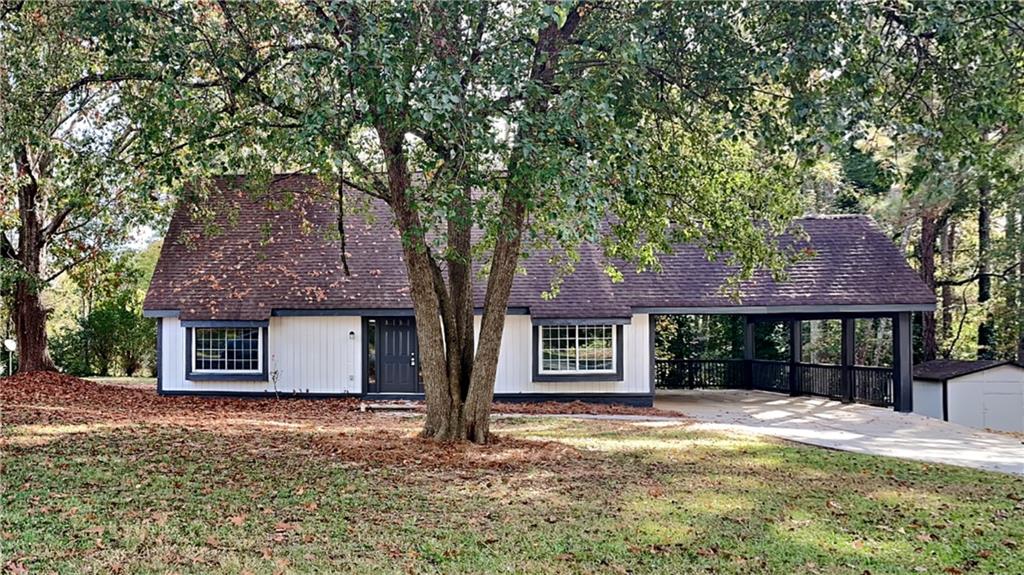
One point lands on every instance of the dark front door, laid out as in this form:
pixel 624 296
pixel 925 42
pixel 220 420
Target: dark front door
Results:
pixel 397 357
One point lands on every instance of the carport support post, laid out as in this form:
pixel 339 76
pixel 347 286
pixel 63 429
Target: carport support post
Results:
pixel 848 350
pixel 748 352
pixel 902 363
pixel 795 353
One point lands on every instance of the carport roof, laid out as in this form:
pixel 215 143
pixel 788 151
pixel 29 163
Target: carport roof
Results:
pixel 256 259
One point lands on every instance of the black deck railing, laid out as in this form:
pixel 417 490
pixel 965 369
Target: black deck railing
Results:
pixel 871 385
pixel 769 375
pixel 821 380
pixel 698 373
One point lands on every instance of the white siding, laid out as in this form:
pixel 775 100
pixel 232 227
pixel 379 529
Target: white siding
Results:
pixel 317 355
pixel 928 398
pixel 309 355
pixel 515 362
pixel 992 399
pixel 172 354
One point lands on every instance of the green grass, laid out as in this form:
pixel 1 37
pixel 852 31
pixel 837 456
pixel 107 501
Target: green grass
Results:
pixel 622 497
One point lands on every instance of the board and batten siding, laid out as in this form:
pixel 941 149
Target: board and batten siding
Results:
pixel 314 355
pixel 323 355
pixel 515 362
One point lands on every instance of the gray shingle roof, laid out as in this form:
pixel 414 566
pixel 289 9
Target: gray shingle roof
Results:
pixel 261 259
pixel 946 369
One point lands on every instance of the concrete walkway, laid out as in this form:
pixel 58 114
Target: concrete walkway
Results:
pixel 849 427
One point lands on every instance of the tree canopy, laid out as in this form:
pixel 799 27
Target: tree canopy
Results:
pixel 539 122
pixel 68 190
pixel 550 123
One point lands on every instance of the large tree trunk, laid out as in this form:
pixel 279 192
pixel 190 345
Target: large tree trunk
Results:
pixel 458 379
pixel 457 386
pixel 29 313
pixel 947 246
pixel 507 246
pixel 492 324
pixel 929 233
pixel 986 334
pixel 444 408
pixel 1017 215
pixel 460 325
pixel 30 323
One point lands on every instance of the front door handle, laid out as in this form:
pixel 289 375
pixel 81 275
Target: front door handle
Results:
pixel 412 359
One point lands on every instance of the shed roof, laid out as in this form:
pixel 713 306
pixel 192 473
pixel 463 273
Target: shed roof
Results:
pixel 946 369
pixel 261 259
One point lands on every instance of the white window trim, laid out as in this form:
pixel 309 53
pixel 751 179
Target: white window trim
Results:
pixel 615 353
pixel 259 353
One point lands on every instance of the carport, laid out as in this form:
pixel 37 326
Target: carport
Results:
pixel 845 381
pixel 848 273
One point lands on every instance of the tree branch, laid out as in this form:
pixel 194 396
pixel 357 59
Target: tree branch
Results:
pixel 959 330
pixel 341 225
pixel 11 8
pixel 74 263
pixel 56 223
pixel 447 311
pixel 1004 274
pixel 7 250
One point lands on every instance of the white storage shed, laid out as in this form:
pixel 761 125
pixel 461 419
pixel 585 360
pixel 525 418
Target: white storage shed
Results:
pixel 987 394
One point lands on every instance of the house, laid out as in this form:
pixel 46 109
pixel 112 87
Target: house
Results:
pixel 254 301
pixel 987 394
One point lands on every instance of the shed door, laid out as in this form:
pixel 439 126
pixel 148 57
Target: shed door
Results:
pixel 1003 411
pixel 398 370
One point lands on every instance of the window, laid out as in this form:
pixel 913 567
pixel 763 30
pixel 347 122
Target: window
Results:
pixel 577 349
pixel 227 350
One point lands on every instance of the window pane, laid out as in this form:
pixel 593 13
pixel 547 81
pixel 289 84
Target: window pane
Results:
pixel 227 349
pixel 559 346
pixel 577 348
pixel 596 351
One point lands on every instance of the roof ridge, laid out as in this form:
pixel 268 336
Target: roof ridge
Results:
pixel 835 217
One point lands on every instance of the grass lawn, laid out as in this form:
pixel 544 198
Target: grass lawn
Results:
pixel 115 479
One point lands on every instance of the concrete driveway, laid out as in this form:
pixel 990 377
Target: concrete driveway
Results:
pixel 849 427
